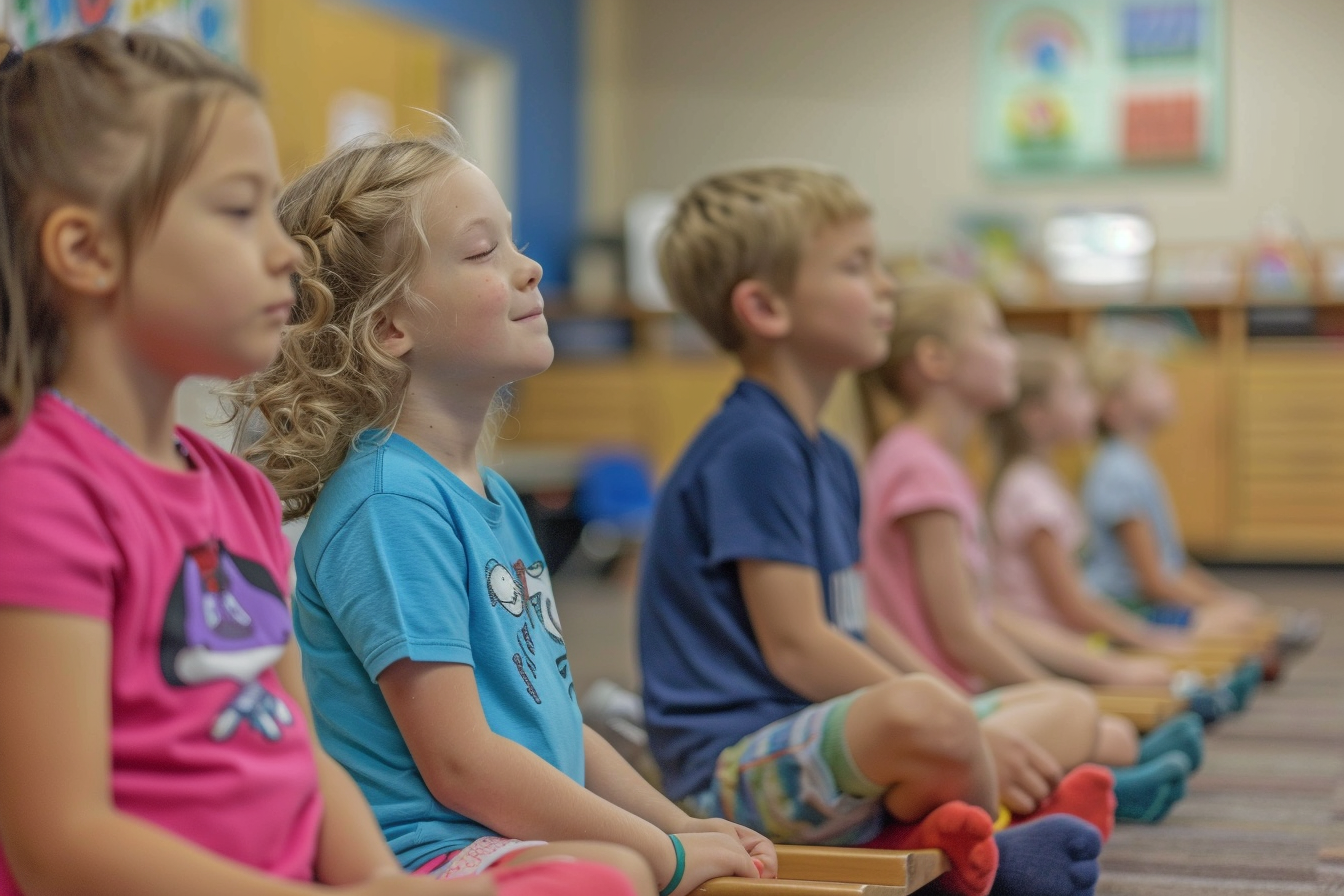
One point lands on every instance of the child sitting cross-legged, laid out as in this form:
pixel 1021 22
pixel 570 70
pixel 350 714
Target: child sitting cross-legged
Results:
pixel 1136 556
pixel 1039 529
pixel 772 697
pixel 924 540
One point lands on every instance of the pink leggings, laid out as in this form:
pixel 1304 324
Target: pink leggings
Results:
pixel 560 877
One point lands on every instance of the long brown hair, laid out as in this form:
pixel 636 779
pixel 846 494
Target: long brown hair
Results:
pixel 77 125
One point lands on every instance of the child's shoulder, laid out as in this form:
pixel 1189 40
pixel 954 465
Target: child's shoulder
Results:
pixel 909 450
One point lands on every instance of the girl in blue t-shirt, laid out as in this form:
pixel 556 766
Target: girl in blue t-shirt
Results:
pixel 432 648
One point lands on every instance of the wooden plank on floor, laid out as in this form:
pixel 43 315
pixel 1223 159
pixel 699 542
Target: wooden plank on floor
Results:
pixel 833 871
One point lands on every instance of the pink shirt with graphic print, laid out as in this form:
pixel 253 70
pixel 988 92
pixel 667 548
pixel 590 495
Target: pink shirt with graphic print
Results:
pixel 909 473
pixel 185 569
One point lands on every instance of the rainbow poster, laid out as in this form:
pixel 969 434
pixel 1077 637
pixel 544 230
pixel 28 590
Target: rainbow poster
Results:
pixel 1087 87
pixel 214 23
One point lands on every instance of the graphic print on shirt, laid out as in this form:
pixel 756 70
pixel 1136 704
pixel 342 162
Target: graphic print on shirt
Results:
pixel 227 620
pixel 525 593
pixel 849 606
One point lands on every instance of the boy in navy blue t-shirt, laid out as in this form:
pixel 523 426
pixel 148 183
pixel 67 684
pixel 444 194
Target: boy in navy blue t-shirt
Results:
pixel 772 698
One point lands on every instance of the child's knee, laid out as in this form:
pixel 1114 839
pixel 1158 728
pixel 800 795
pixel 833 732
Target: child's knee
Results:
pixel 923 714
pixel 620 858
pixel 1118 741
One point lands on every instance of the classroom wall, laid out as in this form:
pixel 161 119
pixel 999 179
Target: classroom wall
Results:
pixel 542 37
pixel 885 91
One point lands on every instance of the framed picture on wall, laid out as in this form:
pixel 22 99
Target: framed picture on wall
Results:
pixel 1087 87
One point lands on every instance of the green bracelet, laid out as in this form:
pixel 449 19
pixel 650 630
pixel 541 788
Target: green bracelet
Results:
pixel 681 866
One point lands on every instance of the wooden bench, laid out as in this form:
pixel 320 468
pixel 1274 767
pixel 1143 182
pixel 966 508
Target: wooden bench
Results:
pixel 1145 707
pixel 836 871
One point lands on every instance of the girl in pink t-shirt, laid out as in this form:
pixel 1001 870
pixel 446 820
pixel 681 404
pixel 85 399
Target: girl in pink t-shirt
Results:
pixel 154 734
pixel 924 537
pixel 1038 526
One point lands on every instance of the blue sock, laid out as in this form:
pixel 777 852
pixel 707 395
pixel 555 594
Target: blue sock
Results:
pixel 1184 734
pixel 1146 792
pixel 1052 856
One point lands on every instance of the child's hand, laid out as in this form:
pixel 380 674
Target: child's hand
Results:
pixel 758 846
pixel 1145 671
pixel 710 855
pixel 1027 773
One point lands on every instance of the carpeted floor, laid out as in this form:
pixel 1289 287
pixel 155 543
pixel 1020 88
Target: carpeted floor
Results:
pixel 1270 794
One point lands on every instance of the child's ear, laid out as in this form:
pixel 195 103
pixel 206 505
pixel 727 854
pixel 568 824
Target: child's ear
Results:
pixel 81 251
pixel 933 359
pixel 392 331
pixel 760 310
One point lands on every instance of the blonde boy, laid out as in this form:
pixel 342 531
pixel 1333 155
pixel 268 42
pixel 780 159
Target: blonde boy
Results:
pixel 771 697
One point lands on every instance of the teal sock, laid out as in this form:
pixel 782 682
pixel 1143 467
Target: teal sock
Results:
pixel 1184 734
pixel 1146 792
pixel 1243 682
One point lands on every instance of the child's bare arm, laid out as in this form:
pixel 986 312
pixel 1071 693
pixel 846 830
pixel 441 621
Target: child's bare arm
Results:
pixel 351 848
pixel 1140 546
pixel 1066 591
pixel 950 601
pixel 800 646
pixel 511 790
pixel 893 647
pixel 61 830
pixel 63 835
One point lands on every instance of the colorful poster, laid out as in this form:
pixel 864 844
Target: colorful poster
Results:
pixel 1086 87
pixel 214 23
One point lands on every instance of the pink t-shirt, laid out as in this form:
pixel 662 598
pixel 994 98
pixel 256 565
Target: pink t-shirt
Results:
pixel 186 570
pixel 909 473
pixel 1031 497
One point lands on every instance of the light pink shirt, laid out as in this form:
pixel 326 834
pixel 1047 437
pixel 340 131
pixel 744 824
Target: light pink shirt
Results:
pixel 1030 498
pixel 909 473
pixel 186 570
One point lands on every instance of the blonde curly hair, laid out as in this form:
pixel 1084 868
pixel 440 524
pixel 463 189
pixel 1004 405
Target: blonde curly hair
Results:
pixel 358 216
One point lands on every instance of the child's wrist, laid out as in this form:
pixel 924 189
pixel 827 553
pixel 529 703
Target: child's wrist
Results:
pixel 678 868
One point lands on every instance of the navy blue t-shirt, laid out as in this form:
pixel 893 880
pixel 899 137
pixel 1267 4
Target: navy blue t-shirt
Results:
pixel 751 486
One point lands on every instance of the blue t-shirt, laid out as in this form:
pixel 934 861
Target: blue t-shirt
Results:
pixel 401 559
pixel 751 486
pixel 1122 484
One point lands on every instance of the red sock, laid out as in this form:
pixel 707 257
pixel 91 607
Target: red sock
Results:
pixel 1087 792
pixel 964 832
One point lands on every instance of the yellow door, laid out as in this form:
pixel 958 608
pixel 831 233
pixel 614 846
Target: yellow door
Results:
pixel 309 53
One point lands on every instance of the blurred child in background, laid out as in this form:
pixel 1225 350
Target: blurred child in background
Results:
pixel 924 541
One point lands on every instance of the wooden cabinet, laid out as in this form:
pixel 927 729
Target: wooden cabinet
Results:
pixel 1287 499
pixel 652 403
pixel 1255 458
pixel 1193 453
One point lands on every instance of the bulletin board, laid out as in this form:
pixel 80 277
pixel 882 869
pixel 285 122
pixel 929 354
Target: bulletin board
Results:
pixel 214 23
pixel 1087 87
